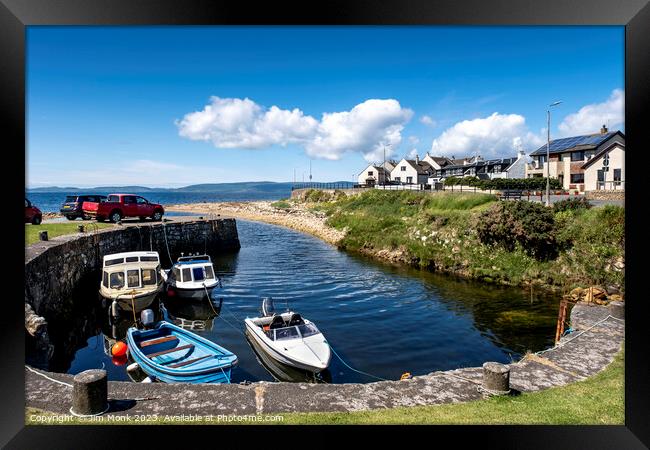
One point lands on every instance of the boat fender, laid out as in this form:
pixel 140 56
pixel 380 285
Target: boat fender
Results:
pixel 132 367
pixel 406 376
pixel 115 309
pixel 147 380
pixel 119 349
pixel 266 327
pixel 118 360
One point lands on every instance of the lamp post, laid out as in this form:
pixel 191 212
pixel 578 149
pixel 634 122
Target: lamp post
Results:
pixel 384 166
pixel 548 145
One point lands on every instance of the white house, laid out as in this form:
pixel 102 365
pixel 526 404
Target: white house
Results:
pixel 484 169
pixel 375 174
pixel 605 171
pixel 411 171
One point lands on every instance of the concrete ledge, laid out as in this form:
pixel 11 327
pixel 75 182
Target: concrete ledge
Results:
pixel 579 355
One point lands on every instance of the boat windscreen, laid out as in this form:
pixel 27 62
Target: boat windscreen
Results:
pixel 148 258
pixel 209 273
pixel 308 329
pixel 286 333
pixel 198 273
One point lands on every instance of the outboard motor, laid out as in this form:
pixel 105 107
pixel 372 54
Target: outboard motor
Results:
pixel 267 307
pixel 146 317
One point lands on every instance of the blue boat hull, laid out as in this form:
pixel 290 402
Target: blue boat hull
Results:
pixel 176 355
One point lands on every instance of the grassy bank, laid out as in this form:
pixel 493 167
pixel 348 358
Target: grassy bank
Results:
pixel 474 235
pixel 598 400
pixel 57 229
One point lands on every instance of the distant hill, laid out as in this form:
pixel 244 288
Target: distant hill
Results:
pixel 240 188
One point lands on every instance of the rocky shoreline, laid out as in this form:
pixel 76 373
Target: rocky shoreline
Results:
pixel 293 217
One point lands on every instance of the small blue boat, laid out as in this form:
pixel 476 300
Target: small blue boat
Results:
pixel 174 355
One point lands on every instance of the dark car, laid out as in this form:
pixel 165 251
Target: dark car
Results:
pixel 32 213
pixel 72 208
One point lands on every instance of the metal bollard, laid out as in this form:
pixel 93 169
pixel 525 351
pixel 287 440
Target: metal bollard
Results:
pixel 90 393
pixel 81 228
pixel 42 235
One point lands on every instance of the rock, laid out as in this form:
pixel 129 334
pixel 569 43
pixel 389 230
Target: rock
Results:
pixel 615 298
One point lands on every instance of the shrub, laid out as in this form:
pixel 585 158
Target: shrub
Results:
pixel 504 183
pixel 571 204
pixel 316 196
pixel 281 204
pixel 527 224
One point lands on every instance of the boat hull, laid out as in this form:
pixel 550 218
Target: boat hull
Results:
pixel 192 294
pixel 140 301
pixel 283 358
pixel 215 368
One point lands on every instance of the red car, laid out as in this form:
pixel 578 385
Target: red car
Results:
pixel 118 206
pixel 32 213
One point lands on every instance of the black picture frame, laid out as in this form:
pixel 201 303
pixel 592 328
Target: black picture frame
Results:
pixel 15 15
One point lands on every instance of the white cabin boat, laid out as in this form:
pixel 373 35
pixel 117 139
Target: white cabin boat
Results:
pixel 192 277
pixel 133 279
pixel 290 339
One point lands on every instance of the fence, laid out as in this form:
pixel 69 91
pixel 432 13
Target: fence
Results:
pixel 610 185
pixel 323 186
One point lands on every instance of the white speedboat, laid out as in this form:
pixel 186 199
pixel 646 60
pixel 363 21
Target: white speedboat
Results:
pixel 289 339
pixel 132 279
pixel 192 277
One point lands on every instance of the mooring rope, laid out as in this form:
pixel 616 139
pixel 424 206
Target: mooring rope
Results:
pixel 166 244
pixel 45 376
pixel 352 368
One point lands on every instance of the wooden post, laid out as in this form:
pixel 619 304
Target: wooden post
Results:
pixel 561 317
pixel 90 393
pixel 496 378
pixel 42 235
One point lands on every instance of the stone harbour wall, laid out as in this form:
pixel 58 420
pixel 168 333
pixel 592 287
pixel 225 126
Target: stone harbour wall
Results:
pixel 54 269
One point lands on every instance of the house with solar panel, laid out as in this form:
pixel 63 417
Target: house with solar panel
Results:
pixel 583 163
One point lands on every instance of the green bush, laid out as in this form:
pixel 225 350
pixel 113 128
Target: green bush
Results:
pixel 527 224
pixel 281 204
pixel 504 183
pixel 571 204
pixel 317 196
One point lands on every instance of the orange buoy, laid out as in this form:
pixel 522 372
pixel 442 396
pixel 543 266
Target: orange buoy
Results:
pixel 119 360
pixel 118 349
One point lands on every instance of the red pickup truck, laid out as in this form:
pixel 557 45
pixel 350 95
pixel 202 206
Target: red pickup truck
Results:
pixel 118 206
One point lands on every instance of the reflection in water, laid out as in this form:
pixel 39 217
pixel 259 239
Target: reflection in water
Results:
pixel 381 319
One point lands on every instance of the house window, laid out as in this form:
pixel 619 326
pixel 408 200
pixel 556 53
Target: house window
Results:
pixel 497 169
pixel 403 168
pixel 409 180
pixel 541 159
pixel 398 179
pixel 578 156
pixel 370 173
pixel 577 178
pixel 617 177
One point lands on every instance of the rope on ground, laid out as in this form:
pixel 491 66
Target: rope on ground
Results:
pixel 45 376
pixel 353 369
pixel 562 344
pixel 224 374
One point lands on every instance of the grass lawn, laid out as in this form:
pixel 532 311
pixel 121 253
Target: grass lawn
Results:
pixel 57 229
pixel 598 400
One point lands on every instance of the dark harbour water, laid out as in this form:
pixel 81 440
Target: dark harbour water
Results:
pixel 381 319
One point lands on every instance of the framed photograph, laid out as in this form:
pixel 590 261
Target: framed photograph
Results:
pixel 395 214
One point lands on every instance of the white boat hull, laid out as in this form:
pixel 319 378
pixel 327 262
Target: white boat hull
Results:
pixel 277 351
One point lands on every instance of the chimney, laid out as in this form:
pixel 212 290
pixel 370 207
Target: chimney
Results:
pixel 521 154
pixel 603 130
pixel 417 159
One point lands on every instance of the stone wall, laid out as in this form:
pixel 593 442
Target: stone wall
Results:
pixel 605 195
pixel 54 269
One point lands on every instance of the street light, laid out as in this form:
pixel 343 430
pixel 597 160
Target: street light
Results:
pixel 548 145
pixel 384 166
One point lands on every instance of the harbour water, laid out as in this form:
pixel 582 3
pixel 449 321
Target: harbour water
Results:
pixel 380 319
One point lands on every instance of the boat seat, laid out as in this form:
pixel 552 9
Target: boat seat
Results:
pixel 296 320
pixel 185 363
pixel 171 350
pixel 158 341
pixel 277 322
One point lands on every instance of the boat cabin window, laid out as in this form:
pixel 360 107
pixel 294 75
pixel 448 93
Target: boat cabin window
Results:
pixel 133 278
pixel 307 329
pixel 187 274
pixel 198 273
pixel 286 333
pixel 105 280
pixel 148 277
pixel 148 258
pixel 131 259
pixel 112 262
pixel 117 280
pixel 176 273
pixel 209 273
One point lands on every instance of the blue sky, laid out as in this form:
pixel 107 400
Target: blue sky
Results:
pixel 171 106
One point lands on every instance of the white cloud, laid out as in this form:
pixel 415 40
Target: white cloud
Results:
pixel 237 123
pixel 495 136
pixel 591 117
pixel 428 121
pixel 414 140
pixel 412 154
